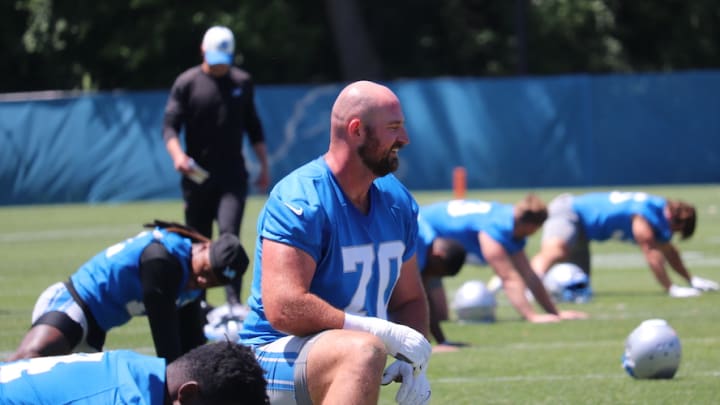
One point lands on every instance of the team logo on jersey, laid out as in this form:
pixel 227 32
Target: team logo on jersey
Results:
pixel 237 92
pixel 296 210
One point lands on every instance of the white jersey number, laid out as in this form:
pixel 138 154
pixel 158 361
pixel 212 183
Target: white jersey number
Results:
pixel 39 365
pixel 362 258
pixel 618 197
pixel 459 208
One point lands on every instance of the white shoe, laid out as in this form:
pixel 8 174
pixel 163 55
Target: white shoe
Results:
pixel 704 284
pixel 683 292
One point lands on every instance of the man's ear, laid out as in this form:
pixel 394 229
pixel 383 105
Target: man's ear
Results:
pixel 354 127
pixel 188 391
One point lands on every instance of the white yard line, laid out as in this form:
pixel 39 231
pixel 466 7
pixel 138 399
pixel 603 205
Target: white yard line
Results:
pixel 635 260
pixel 573 377
pixel 60 234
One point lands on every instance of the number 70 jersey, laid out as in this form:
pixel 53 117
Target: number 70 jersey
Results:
pixel 358 256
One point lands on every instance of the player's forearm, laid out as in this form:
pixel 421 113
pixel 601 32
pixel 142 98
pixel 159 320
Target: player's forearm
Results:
pixel 413 313
pixel 533 283
pixel 543 298
pixel 304 315
pixel 656 262
pixel 163 326
pixel 516 295
pixel 675 261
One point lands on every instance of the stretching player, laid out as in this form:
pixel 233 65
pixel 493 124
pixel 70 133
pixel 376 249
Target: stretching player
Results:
pixel 217 373
pixel 645 220
pixel 496 234
pixel 437 258
pixel 159 273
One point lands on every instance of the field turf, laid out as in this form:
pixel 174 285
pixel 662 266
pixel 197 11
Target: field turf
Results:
pixel 508 362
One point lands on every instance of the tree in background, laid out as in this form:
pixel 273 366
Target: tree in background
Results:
pixel 143 44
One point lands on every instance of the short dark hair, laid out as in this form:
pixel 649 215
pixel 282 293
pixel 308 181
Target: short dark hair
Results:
pixel 531 210
pixel 684 214
pixel 454 255
pixel 226 372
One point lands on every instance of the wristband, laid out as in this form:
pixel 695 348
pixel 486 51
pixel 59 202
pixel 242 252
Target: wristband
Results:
pixel 355 322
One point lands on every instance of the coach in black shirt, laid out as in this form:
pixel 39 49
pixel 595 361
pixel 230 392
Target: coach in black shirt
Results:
pixel 214 104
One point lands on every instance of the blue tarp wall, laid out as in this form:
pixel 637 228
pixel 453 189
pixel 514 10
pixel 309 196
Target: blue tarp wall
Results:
pixel 560 131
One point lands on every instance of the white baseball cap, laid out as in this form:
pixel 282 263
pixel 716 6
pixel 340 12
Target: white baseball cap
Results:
pixel 218 46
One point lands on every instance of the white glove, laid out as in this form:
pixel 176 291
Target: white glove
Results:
pixel 704 284
pixel 401 342
pixel 676 291
pixel 414 389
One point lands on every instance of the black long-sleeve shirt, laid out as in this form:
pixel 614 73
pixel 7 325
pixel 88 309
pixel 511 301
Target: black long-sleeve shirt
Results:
pixel 215 113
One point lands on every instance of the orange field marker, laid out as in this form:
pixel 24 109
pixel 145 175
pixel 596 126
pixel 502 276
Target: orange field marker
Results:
pixel 459 182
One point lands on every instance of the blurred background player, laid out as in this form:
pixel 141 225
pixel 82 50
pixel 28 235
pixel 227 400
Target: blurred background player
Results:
pixel 159 273
pixel 336 287
pixel 217 373
pixel 496 234
pixel 214 103
pixel 635 217
pixel 437 258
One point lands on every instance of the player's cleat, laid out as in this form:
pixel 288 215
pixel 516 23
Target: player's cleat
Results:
pixel 224 322
pixel 704 284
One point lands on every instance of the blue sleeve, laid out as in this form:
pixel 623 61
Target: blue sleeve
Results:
pixel 294 222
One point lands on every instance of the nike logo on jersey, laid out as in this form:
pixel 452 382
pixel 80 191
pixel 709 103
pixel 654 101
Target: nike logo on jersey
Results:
pixel 296 210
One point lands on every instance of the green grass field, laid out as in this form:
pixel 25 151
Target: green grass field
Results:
pixel 509 362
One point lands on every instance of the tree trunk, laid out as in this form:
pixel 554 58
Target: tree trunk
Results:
pixel 358 59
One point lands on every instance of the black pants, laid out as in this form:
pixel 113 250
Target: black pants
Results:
pixel 221 200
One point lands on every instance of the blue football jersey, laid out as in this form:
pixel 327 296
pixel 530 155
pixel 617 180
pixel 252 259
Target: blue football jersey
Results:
pixel 462 220
pixel 426 236
pixel 110 285
pixel 609 215
pixel 358 256
pixel 112 377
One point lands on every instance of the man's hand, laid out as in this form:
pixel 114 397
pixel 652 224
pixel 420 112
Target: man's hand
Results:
pixel 262 182
pixel 402 342
pixel 572 315
pixel 449 346
pixel 415 388
pixel 544 318
pixel 677 291
pixel 704 284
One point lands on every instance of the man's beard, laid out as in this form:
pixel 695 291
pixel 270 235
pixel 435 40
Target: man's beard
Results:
pixel 369 151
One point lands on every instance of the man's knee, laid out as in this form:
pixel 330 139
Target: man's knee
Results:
pixel 367 349
pixel 348 364
pixel 349 350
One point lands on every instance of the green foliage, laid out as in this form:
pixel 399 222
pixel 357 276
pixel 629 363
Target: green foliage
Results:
pixel 509 362
pixel 144 44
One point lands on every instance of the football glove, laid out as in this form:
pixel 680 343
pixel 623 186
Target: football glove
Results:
pixel 704 284
pixel 401 342
pixel 677 291
pixel 414 388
